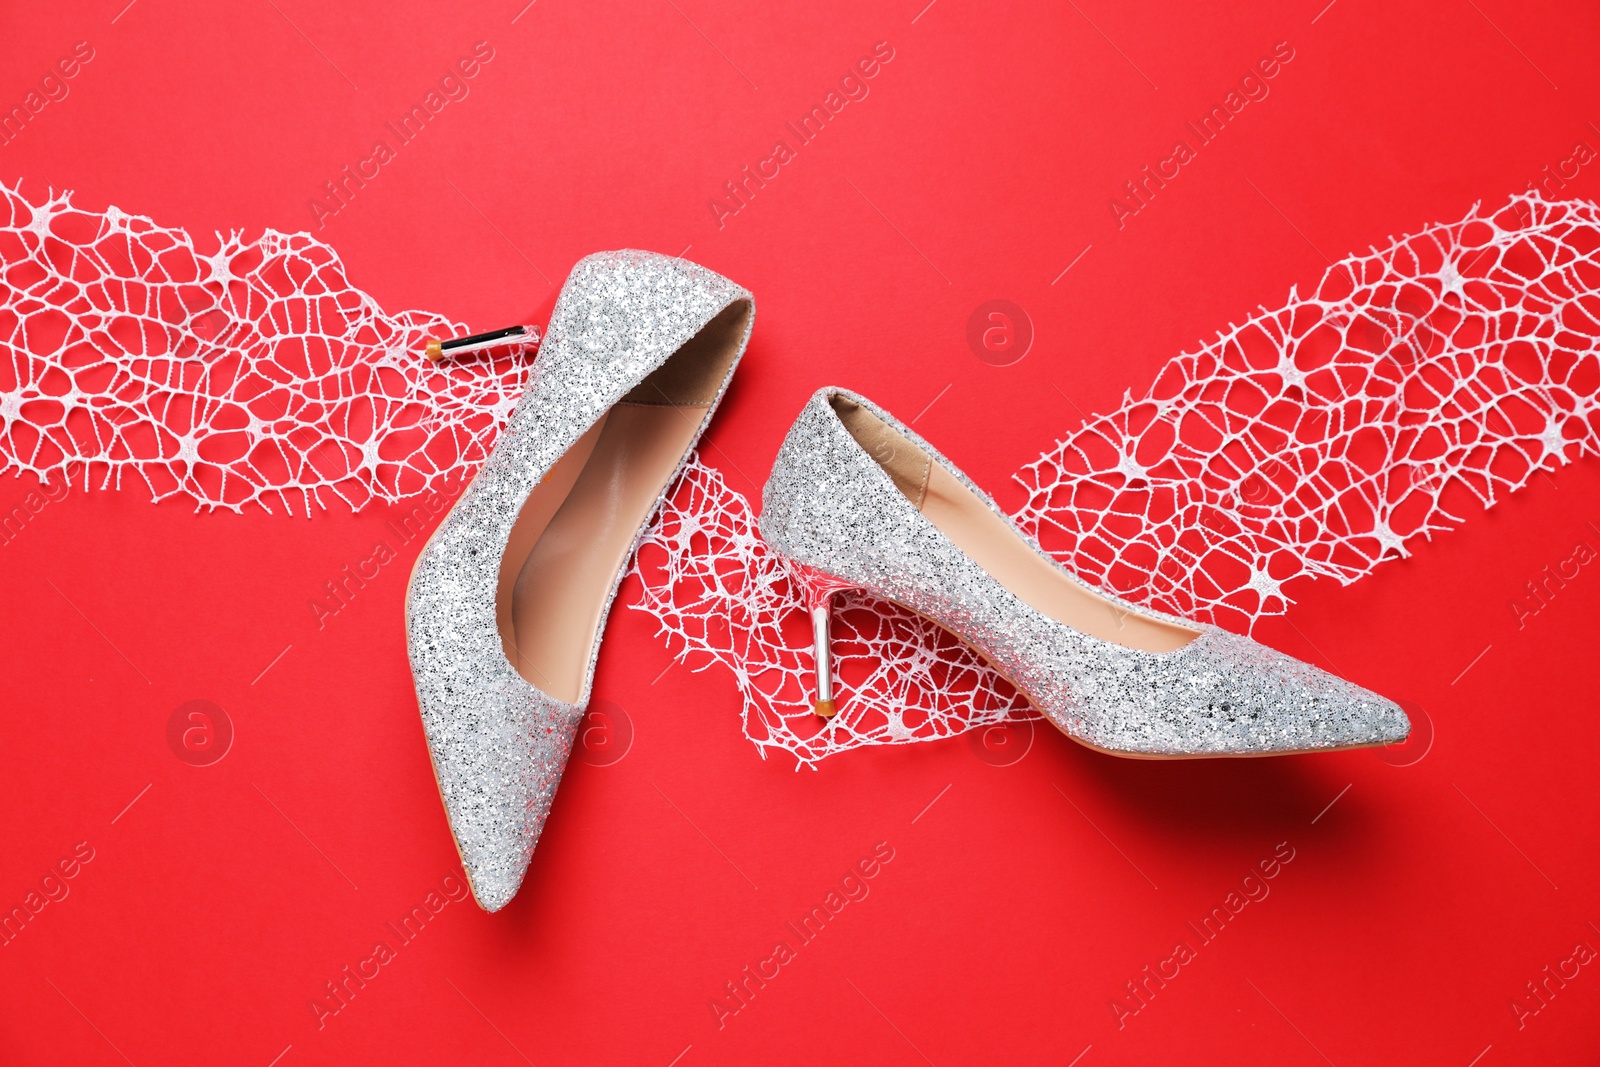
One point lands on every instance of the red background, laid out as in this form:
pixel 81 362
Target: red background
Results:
pixel 1017 905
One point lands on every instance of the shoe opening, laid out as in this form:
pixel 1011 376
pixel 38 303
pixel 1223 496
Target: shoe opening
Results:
pixel 995 545
pixel 574 533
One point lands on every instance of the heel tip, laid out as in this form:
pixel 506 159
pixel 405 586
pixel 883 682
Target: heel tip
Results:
pixel 823 708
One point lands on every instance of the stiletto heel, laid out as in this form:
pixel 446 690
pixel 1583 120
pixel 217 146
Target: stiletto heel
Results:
pixel 438 348
pixel 857 500
pixel 818 589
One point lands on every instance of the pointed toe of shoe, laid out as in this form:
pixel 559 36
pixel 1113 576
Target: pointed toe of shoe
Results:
pixel 493 880
pixel 494 884
pixel 498 752
pixel 1351 719
pixel 1374 720
pixel 1227 695
pixel 494 836
pixel 1315 710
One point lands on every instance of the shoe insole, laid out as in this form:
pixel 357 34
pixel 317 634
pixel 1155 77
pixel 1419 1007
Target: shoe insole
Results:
pixel 577 528
pixel 996 547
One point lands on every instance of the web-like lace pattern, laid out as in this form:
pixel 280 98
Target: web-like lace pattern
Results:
pixel 1317 439
pixel 721 596
pixel 1418 381
pixel 251 374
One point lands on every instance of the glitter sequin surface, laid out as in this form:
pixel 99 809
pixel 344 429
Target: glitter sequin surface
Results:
pixel 830 506
pixel 499 745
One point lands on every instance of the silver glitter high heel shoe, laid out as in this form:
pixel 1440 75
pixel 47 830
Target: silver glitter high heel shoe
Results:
pixel 509 597
pixel 856 500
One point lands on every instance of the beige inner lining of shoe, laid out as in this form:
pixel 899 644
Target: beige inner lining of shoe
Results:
pixel 575 530
pixel 996 547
